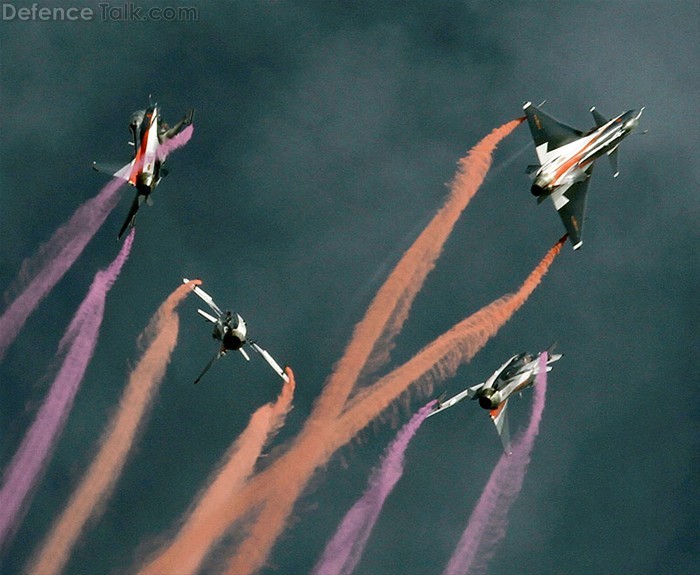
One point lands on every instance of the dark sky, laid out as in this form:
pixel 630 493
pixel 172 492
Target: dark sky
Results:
pixel 324 134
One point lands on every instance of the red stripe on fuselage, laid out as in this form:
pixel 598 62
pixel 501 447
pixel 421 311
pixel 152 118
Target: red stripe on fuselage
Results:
pixel 575 159
pixel 138 160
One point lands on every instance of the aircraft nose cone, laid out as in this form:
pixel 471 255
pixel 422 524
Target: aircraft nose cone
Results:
pixel 632 119
pixel 631 124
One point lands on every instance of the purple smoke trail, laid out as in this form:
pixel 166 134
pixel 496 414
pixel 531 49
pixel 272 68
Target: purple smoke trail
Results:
pixel 343 552
pixel 79 344
pixel 42 271
pixel 488 522
pixel 175 142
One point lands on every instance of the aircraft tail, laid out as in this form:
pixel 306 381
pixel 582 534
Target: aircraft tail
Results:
pixel 131 216
pixel 600 120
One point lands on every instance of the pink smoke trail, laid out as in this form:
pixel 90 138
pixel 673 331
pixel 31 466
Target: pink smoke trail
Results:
pixel 488 522
pixel 344 551
pixel 99 480
pixel 275 490
pixel 79 344
pixel 174 143
pixel 42 271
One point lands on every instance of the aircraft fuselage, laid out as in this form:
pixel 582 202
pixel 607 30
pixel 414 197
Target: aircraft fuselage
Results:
pixel 571 163
pixel 231 330
pixel 515 375
pixel 145 173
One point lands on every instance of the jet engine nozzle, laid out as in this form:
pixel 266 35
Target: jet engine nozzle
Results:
pixel 537 190
pixel 542 183
pixel 489 399
pixel 232 340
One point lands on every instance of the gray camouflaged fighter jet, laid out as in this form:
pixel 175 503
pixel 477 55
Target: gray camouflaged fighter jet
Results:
pixel 516 374
pixel 145 171
pixel 566 158
pixel 231 330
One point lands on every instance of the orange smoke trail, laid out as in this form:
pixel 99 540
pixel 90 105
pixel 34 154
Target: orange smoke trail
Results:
pixel 102 475
pixel 280 486
pixel 372 337
pixel 411 272
pixel 389 309
pixel 204 525
pixel 440 359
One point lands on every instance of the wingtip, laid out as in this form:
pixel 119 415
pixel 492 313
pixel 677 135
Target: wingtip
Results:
pixel 526 105
pixel 578 245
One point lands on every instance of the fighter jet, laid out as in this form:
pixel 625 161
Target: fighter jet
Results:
pixel 146 170
pixel 513 376
pixel 231 330
pixel 566 158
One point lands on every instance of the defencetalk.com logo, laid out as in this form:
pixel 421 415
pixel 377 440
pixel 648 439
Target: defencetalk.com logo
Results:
pixel 105 12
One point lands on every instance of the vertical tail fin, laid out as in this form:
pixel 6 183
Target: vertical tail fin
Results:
pixel 600 120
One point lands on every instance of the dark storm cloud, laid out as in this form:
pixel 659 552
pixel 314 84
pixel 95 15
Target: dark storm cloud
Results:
pixel 323 137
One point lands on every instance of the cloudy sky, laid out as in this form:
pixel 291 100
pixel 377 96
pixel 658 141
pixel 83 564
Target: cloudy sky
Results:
pixel 324 135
